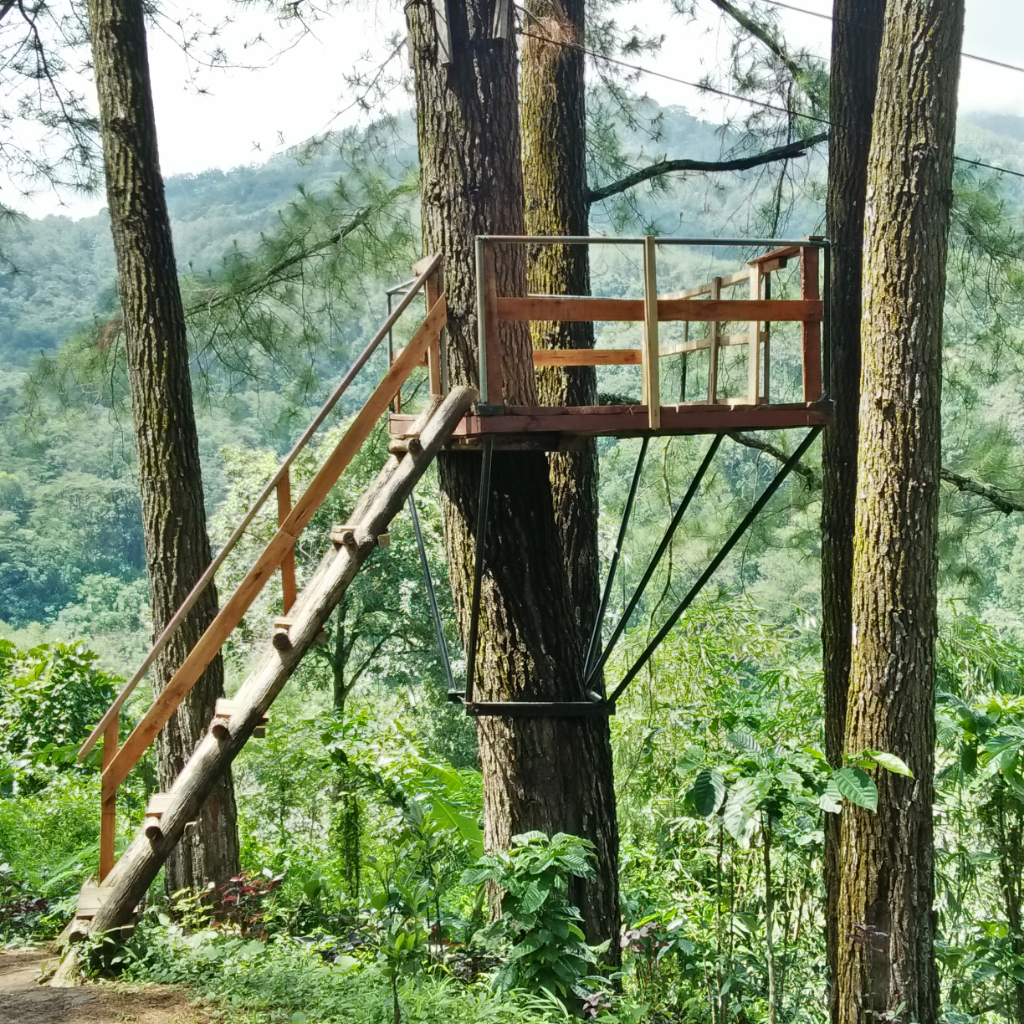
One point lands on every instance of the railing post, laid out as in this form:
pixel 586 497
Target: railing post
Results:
pixel 811 330
pixel 651 357
pixel 284 507
pixel 754 347
pixel 767 354
pixel 714 326
pixel 108 803
pixel 488 327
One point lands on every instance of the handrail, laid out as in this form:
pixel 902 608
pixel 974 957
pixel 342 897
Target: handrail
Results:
pixel 209 644
pixel 114 710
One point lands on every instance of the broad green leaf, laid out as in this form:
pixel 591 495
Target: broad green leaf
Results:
pixel 890 762
pixel 831 801
pixel 708 792
pixel 856 786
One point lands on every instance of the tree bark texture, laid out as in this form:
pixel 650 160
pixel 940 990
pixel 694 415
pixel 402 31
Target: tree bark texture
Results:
pixel 166 441
pixel 556 194
pixel 856 41
pixel 538 772
pixel 886 955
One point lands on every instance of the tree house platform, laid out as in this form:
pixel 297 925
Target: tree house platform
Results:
pixel 732 321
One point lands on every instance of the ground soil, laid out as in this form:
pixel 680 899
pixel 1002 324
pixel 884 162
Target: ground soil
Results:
pixel 23 1000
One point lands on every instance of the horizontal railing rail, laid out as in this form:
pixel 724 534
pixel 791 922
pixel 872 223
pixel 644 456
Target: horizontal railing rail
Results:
pixel 703 303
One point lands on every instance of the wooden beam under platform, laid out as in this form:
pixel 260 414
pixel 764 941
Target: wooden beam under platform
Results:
pixel 556 428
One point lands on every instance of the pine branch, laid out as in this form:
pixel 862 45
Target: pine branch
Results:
pixel 787 152
pixel 995 497
pixel 808 474
pixel 770 40
pixel 990 494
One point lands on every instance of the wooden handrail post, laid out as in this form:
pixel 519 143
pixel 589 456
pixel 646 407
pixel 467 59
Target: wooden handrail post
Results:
pixel 651 358
pixel 754 349
pixel 767 354
pixel 715 295
pixel 811 330
pixel 108 803
pixel 284 508
pixel 488 325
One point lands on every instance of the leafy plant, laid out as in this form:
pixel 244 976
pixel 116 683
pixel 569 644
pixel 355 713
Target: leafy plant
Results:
pixel 547 948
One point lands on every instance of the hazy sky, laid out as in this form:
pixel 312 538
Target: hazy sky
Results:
pixel 226 117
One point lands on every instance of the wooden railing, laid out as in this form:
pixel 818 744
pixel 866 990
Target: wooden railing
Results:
pixel 704 303
pixel 422 349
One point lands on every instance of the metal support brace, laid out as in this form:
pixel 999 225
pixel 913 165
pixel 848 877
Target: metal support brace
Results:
pixel 595 636
pixel 478 567
pixel 442 643
pixel 662 548
pixel 755 510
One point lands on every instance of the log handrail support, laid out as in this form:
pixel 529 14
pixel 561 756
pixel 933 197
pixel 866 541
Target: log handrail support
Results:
pixel 703 303
pixel 423 349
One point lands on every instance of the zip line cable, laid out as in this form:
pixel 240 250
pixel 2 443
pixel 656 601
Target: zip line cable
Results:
pixel 849 21
pixel 729 95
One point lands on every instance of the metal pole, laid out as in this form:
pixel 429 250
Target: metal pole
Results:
pixel 478 567
pixel 715 563
pixel 481 320
pixel 435 612
pixel 595 635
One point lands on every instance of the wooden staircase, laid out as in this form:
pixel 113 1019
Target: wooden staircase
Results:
pixel 110 906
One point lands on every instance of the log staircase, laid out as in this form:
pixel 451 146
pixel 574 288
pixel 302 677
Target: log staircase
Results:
pixel 454 417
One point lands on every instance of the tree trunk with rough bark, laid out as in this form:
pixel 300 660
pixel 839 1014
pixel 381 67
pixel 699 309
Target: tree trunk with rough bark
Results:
pixel 886 922
pixel 555 182
pixel 856 41
pixel 166 441
pixel 538 772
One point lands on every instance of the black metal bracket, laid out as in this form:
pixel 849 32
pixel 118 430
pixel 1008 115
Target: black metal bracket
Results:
pixel 540 708
pixel 595 635
pixel 478 565
pixel 715 562
pixel 442 642
pixel 677 518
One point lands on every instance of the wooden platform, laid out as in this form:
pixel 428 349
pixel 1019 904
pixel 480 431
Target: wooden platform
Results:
pixel 557 428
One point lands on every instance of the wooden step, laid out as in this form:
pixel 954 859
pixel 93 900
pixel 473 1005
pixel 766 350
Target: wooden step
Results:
pixel 90 899
pixel 405 445
pixel 158 803
pixel 346 536
pixel 222 713
pixel 281 637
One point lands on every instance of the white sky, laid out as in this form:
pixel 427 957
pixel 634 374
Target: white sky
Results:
pixel 227 117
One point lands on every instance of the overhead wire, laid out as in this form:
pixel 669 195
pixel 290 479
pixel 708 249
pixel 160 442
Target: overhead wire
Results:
pixel 850 21
pixel 705 87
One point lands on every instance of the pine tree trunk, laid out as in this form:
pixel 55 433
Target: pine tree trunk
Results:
pixel 856 40
pixel 886 922
pixel 555 182
pixel 538 772
pixel 166 442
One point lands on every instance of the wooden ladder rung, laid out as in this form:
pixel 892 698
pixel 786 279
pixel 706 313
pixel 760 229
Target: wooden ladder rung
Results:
pixel 346 536
pixel 281 637
pixel 405 445
pixel 222 713
pixel 155 809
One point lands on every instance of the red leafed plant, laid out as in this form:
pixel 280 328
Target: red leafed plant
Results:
pixel 241 900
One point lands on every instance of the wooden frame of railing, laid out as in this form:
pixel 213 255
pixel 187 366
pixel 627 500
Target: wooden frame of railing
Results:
pixel 810 311
pixel 422 348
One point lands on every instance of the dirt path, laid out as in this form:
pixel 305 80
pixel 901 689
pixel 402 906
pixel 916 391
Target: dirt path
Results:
pixel 24 1001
